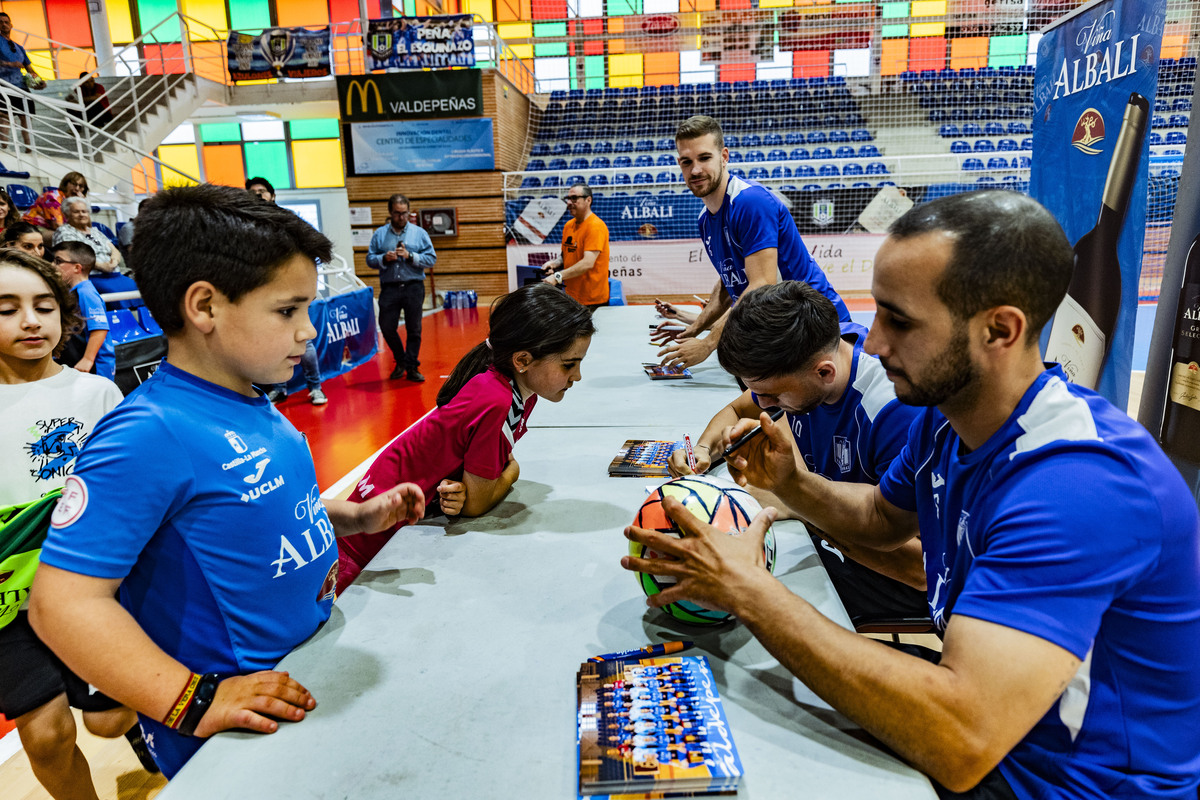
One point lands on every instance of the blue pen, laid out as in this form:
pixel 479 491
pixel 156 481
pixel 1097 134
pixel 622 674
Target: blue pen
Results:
pixel 648 651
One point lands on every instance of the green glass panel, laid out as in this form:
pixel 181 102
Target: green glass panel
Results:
pixel 893 10
pixel 593 71
pixel 410 8
pixel 894 31
pixel 220 132
pixel 550 29
pixel 619 8
pixel 1008 51
pixel 248 15
pixel 153 12
pixel 484 64
pixel 268 160
pixel 314 128
pixel 550 49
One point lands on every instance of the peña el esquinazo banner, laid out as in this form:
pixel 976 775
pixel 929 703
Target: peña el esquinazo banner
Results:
pixel 421 42
pixel 411 95
pixel 1097 73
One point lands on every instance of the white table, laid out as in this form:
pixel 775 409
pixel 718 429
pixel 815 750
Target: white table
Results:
pixel 447 670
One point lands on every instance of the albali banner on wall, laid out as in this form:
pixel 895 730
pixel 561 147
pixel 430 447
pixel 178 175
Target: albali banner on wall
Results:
pixel 420 42
pixel 346 337
pixel 428 145
pixel 682 267
pixel 278 53
pixel 1097 71
pixel 413 95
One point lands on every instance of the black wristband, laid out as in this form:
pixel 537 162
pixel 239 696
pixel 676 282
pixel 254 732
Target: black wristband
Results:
pixel 206 690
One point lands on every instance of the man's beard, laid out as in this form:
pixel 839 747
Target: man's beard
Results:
pixel 951 372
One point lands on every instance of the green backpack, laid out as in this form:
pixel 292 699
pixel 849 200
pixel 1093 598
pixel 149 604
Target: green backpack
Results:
pixel 23 528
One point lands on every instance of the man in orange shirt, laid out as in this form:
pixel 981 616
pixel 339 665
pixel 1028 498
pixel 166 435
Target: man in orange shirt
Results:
pixel 584 252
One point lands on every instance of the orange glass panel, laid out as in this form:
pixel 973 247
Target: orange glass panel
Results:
pixel 223 165
pixel 514 10
pixel 1174 46
pixel 662 69
pixel 894 57
pixel 349 61
pixel 730 4
pixel 616 46
pixel 616 25
pixel 343 10
pixel 810 64
pixel 73 62
pixel 209 60
pixel 69 22
pixel 697 5
pixel 145 180
pixel 302 12
pixel 927 53
pixel 164 59
pixel 737 72
pixel 27 17
pixel 972 52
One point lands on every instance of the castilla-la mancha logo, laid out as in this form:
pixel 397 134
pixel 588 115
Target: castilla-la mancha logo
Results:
pixel 1089 131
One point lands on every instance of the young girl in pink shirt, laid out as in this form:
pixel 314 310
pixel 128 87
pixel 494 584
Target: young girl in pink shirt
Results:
pixel 462 450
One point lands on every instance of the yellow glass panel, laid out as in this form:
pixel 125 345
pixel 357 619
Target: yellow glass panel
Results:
pixel 928 8
pixel 209 12
pixel 481 7
pixel 927 29
pixel 523 50
pixel 894 57
pixel 181 157
pixel 971 52
pixel 515 30
pixel 120 22
pixel 774 3
pixel 318 162
pixel 43 65
pixel 629 64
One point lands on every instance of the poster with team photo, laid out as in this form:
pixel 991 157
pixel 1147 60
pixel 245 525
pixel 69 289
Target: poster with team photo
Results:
pixel 278 53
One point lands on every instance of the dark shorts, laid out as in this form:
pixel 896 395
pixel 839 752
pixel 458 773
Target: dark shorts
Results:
pixel 31 675
pixel 866 594
pixel 19 105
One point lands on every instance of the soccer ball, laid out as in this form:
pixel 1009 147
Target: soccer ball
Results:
pixel 720 502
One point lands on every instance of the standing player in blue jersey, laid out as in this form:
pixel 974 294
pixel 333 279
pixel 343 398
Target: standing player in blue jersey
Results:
pixel 749 235
pixel 195 499
pixel 786 344
pixel 1062 548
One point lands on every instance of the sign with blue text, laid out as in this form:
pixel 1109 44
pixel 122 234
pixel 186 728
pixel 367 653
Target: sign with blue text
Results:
pixel 346 334
pixel 1097 72
pixel 278 53
pixel 442 145
pixel 420 42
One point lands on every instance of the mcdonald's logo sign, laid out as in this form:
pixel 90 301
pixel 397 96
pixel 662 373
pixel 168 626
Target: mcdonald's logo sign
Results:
pixel 362 90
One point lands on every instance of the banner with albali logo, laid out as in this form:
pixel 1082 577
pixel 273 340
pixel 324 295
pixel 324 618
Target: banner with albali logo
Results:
pixel 410 95
pixel 420 42
pixel 346 337
pixel 278 53
pixel 1097 72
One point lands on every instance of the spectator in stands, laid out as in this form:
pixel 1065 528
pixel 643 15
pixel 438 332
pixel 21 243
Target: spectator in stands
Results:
pixel 583 265
pixel 8 212
pixel 49 412
pixel 46 212
pixel 1062 548
pixel 79 228
pixel 93 350
pixel 749 234
pixel 125 235
pixel 95 101
pixel 310 363
pixel 12 60
pixel 401 252
pixel 24 236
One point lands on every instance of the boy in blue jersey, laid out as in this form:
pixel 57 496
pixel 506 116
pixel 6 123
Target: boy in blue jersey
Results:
pixel 195 499
pixel 1061 546
pixel 748 232
pixel 786 344
pixel 75 261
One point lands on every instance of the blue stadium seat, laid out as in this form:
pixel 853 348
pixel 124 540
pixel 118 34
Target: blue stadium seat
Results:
pixel 1007 144
pixel 582 149
pixel 799 154
pixel 736 157
pixel 664 144
pixel 752 140
pixel 623 146
pixel 664 177
pixel 972 129
pixel 861 135
pixel 531 183
pixel 1027 143
pixel 860 185
pixel 839 136
pixel 822 152
pixel 1177 121
pixel 1181 104
pixel 644 145
pixel 972 163
pixel 755 156
pixel 600 162
pixel 622 178
pixel 984 146
pixel 792 138
pixel 534 165
pixel 816 137
pixel 881 184
pixel 1026 162
pixel 551 181
pixel 732 140
pixel 571 181
pixel 997 162
pixel 777 155
pixel 758 174
pixel 664 160
pixel 1176 137
pixel 781 172
pixel 1154 138
pixel 644 160
pixel 643 177
pixel 1158 121
pixel 949 131
pixel 772 140
pixel 579 163
pixel 738 172
pixel 868 151
pixel 22 196
pixel 993 129
pixel 985 179
pixel 562 149
pixel 1018 128
pixel 597 180
pixel 828 170
pixel 540 149
pixel 806 171
pixel 844 151
pixel 557 163
pixel 836 185
pixel 1011 179
pixel 877 168
pixel 852 169
pixel 622 162
pixel 602 148
pixel 811 187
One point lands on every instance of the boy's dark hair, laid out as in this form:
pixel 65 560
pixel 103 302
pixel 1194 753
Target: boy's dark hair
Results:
pixel 261 182
pixel 777 330
pixel 19 229
pixel 537 318
pixel 218 234
pixel 80 252
pixel 68 308
pixel 1008 250
pixel 700 125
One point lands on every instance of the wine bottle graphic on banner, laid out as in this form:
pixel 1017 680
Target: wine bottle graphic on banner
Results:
pixel 1181 422
pixel 1084 323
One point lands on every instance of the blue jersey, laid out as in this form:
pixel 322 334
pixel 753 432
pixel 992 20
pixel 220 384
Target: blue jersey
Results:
pixel 1070 524
pixel 752 219
pixel 205 503
pixel 856 438
pixel 95 318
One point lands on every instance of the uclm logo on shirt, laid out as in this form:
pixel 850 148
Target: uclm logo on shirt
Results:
pixel 1089 131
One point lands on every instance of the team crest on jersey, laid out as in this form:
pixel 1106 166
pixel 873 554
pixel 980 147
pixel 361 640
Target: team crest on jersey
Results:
pixel 822 212
pixel 841 453
pixel 329 585
pixel 72 504
pixel 235 442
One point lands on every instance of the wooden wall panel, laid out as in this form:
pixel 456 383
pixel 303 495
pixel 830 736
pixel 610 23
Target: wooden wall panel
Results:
pixel 426 184
pixel 488 259
pixel 488 234
pixel 479 209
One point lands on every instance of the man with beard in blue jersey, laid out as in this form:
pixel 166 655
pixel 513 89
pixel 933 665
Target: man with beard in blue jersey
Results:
pixel 1061 545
